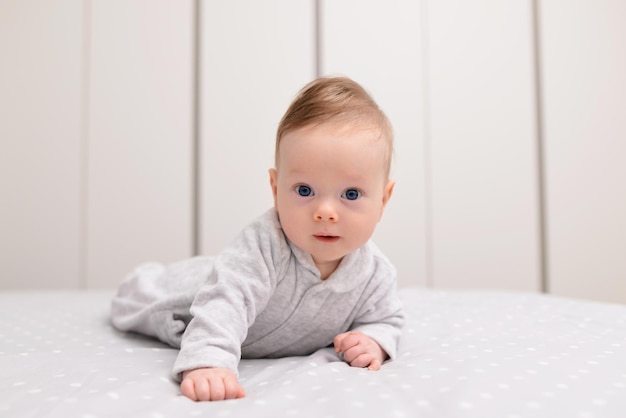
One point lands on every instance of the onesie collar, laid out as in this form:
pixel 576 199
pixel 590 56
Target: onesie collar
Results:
pixel 353 270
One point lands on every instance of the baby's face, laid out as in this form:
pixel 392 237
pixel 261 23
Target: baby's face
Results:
pixel 330 188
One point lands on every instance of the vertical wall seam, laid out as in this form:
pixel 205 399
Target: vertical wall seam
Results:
pixel 83 241
pixel 317 37
pixel 195 139
pixel 541 186
pixel 428 221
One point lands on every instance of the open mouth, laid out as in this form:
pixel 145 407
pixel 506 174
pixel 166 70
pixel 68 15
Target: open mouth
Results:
pixel 326 238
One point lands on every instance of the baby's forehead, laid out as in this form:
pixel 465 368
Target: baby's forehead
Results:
pixel 359 130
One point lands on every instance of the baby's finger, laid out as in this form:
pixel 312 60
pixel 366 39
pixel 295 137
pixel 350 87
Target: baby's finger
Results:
pixel 374 365
pixel 241 393
pixel 352 353
pixel 350 340
pixel 203 389
pixel 363 360
pixel 232 389
pixel 188 389
pixel 338 341
pixel 218 392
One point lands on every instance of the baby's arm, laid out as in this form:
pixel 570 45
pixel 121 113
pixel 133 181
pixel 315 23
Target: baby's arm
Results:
pixel 211 384
pixel 359 350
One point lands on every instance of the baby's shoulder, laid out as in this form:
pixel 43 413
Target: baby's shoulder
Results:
pixel 381 266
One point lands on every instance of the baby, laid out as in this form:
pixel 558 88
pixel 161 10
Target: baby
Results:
pixel 304 275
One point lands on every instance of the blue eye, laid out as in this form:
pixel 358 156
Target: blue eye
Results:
pixel 304 191
pixel 352 194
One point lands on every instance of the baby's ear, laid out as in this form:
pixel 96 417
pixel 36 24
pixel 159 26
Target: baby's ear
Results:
pixel 388 191
pixel 274 182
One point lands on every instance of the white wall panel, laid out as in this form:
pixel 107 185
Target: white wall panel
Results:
pixel 255 56
pixel 483 144
pixel 40 143
pixel 584 85
pixel 140 136
pixel 379 45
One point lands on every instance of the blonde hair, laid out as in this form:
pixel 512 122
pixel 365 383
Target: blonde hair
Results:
pixel 335 100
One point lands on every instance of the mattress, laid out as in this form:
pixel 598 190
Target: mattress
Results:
pixel 462 354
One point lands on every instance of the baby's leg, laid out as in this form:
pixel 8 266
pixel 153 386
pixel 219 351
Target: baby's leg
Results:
pixel 154 299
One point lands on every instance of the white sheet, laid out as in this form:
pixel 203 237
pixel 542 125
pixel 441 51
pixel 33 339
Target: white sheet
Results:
pixel 463 354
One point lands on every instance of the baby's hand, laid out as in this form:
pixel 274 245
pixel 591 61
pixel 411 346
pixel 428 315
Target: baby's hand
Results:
pixel 359 350
pixel 211 384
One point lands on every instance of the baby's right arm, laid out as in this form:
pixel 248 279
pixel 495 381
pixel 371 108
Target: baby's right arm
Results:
pixel 211 384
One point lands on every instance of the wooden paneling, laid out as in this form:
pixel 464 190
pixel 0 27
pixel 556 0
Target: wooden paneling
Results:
pixel 584 85
pixel 482 144
pixel 378 44
pixel 255 56
pixel 97 133
pixel 140 136
pixel 40 143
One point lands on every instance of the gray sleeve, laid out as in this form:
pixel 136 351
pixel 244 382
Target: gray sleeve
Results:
pixel 241 284
pixel 382 316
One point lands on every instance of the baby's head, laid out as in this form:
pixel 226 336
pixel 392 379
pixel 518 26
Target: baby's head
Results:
pixel 331 179
pixel 339 101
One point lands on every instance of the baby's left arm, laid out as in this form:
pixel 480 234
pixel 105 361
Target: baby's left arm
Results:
pixel 359 350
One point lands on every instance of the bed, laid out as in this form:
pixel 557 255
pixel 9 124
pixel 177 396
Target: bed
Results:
pixel 463 354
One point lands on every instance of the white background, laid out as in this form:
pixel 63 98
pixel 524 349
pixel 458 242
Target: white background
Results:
pixel 142 130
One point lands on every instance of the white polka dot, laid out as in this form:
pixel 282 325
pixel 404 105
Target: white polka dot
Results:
pixel 599 402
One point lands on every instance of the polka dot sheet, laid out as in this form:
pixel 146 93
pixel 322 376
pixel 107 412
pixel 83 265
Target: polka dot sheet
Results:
pixel 463 354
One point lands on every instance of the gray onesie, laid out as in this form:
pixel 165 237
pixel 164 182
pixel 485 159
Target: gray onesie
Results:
pixel 262 297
